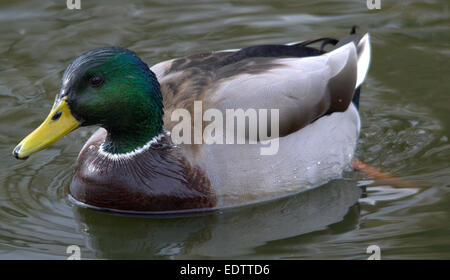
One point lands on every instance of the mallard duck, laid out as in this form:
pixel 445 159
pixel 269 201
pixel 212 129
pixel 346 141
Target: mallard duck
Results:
pixel 131 162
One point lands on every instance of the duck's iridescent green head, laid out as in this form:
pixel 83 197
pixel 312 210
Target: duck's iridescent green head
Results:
pixel 110 87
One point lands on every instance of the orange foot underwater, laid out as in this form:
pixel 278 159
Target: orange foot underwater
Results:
pixel 379 175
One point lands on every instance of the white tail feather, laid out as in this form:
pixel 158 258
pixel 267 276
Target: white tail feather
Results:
pixel 363 50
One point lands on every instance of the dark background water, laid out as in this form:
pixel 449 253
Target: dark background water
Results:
pixel 405 128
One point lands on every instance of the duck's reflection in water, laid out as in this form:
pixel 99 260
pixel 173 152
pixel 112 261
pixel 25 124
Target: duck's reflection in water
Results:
pixel 229 233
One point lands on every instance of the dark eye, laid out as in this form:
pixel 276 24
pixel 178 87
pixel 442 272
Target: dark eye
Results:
pixel 96 81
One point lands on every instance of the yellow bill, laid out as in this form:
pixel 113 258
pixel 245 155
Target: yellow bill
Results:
pixel 58 123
